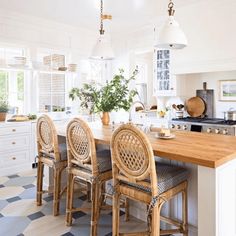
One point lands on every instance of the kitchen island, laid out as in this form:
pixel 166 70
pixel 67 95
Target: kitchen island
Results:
pixel 214 158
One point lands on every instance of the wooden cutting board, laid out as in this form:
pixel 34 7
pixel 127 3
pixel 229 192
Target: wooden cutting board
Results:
pixel 195 106
pixel 208 96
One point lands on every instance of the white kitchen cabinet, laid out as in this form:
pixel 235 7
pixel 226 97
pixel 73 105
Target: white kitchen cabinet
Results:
pixel 16 147
pixel 164 82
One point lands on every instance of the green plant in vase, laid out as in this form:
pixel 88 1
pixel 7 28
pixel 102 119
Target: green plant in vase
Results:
pixel 4 108
pixel 113 96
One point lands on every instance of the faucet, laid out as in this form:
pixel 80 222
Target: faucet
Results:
pixel 131 107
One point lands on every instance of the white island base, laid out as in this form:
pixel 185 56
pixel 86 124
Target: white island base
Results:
pixel 217 200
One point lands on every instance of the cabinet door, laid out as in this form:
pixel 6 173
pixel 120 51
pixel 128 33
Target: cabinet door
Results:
pixel 14 142
pixel 164 84
pixel 14 158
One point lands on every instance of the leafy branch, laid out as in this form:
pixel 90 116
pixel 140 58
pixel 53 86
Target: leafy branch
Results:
pixel 114 95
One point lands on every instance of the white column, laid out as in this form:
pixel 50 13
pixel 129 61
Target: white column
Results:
pixel 217 200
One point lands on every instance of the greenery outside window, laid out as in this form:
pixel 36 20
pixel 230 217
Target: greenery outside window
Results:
pixel 12 88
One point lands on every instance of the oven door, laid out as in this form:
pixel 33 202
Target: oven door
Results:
pixel 196 128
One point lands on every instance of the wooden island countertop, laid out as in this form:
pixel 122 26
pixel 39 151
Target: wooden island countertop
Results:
pixel 209 150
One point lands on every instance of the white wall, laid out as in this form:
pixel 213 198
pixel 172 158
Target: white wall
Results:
pixel 209 26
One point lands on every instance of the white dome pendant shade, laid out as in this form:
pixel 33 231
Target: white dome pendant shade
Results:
pixel 102 49
pixel 171 36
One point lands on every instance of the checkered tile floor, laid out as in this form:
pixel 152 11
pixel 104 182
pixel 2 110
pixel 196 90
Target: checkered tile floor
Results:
pixel 19 214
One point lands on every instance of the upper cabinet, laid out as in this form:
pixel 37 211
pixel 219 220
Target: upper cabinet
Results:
pixel 164 82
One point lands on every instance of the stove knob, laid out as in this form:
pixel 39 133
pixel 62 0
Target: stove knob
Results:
pixel 225 131
pixel 185 127
pixel 178 127
pixel 172 126
pixel 217 131
pixel 209 130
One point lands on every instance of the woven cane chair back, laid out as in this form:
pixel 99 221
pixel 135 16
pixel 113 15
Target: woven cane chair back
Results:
pixel 46 135
pixel 80 142
pixel 132 154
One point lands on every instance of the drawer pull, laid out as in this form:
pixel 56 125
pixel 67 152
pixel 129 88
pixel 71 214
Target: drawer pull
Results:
pixel 13 130
pixel 13 143
pixel 13 158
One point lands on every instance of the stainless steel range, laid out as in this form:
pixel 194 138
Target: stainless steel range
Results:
pixel 205 125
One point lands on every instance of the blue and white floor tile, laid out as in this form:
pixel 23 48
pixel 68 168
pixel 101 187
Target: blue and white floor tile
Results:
pixel 20 216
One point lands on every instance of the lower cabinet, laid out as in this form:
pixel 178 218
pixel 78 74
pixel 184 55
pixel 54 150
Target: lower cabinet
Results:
pixel 17 147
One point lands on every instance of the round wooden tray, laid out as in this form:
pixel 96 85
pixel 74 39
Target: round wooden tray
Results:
pixel 195 106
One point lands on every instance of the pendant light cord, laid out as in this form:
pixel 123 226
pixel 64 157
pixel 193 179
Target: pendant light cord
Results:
pixel 101 16
pixel 171 8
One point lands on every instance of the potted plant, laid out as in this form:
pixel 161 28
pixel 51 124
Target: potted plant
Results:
pixel 4 107
pixel 113 96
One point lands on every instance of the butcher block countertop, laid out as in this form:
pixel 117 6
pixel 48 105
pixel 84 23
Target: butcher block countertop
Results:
pixel 209 150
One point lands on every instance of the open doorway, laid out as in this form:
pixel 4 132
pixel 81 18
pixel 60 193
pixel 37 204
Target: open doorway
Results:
pixel 144 81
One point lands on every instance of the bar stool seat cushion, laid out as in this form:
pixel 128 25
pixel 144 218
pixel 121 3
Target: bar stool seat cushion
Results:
pixel 168 176
pixel 103 161
pixel 62 150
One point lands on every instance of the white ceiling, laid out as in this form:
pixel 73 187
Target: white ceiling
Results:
pixel 128 15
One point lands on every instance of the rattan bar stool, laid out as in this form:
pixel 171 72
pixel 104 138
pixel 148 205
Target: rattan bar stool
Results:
pixel 86 164
pixel 137 176
pixel 52 154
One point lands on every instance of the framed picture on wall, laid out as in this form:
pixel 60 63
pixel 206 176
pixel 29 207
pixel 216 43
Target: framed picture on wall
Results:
pixel 227 90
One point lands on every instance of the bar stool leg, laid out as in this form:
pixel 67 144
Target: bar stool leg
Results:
pixel 155 221
pixel 185 211
pixel 39 183
pixel 95 208
pixel 126 209
pixel 69 199
pixel 88 192
pixel 57 189
pixel 116 214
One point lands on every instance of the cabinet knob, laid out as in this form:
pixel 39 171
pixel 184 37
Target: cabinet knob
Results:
pixel 13 143
pixel 209 130
pixel 13 130
pixel 13 158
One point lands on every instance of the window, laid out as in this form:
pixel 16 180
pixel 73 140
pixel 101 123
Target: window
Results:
pixel 52 92
pixel 3 84
pixel 8 54
pixel 141 81
pixel 20 86
pixel 142 73
pixel 12 88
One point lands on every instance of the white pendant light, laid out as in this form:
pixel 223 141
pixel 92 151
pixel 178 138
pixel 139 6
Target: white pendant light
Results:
pixel 102 49
pixel 171 35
